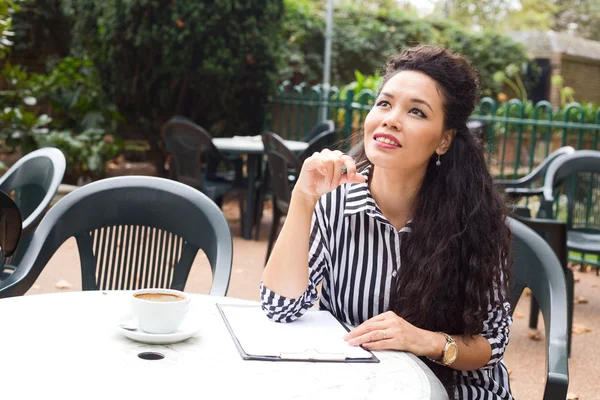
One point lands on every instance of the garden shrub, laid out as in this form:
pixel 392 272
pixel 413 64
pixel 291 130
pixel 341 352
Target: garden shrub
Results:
pixel 364 38
pixel 215 62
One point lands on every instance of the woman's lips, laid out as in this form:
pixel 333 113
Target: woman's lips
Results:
pixel 386 141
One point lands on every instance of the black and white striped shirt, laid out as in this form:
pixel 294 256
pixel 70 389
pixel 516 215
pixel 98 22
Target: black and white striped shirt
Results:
pixel 355 252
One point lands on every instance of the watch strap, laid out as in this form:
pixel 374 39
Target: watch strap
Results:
pixel 449 341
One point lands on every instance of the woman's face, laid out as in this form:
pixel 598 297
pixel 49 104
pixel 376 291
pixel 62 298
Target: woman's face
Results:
pixel 406 125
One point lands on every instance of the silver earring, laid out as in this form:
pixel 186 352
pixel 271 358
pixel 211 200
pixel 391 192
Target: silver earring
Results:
pixel 438 162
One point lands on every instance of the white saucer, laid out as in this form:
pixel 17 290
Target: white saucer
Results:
pixel 187 329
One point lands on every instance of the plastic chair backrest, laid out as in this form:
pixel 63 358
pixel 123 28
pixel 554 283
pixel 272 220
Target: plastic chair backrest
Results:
pixel 194 154
pixel 132 232
pixel 318 128
pixel 281 159
pixel 537 267
pixel 11 225
pixel 324 140
pixel 538 172
pixel 580 172
pixel 33 181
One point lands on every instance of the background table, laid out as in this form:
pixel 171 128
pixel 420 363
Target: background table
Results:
pixel 253 147
pixel 67 346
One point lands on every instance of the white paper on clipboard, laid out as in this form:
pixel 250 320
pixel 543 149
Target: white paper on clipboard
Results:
pixel 317 335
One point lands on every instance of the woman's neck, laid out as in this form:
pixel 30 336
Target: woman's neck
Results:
pixel 395 192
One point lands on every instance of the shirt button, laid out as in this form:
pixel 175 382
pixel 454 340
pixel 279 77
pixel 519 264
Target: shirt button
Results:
pixel 394 274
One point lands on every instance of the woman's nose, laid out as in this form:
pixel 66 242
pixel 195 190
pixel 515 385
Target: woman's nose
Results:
pixel 392 123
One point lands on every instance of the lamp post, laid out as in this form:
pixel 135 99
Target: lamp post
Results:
pixel 327 59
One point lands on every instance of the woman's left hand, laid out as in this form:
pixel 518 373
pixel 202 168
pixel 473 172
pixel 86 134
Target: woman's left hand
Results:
pixel 388 331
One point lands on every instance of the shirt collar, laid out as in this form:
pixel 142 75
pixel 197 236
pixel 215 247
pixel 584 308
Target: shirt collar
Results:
pixel 359 200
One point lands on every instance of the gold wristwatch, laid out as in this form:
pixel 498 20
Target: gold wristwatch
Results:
pixel 450 351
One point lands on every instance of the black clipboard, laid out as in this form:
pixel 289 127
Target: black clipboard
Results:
pixel 310 355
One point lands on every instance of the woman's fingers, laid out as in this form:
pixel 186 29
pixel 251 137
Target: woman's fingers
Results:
pixel 386 344
pixel 365 328
pixel 316 163
pixel 350 166
pixel 337 173
pixel 330 166
pixel 375 333
pixel 357 178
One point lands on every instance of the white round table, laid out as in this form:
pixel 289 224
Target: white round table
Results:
pixel 252 145
pixel 68 346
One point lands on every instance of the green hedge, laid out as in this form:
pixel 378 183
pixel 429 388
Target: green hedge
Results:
pixel 215 62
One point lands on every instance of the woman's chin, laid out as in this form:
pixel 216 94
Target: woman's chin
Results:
pixel 380 158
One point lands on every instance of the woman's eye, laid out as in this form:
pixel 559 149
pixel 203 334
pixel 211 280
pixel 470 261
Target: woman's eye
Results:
pixel 418 112
pixel 383 103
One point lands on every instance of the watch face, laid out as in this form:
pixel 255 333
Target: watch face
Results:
pixel 451 353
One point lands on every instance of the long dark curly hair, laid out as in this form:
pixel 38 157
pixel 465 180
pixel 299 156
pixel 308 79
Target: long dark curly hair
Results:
pixel 458 253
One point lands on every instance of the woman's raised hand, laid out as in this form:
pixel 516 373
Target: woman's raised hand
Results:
pixel 322 172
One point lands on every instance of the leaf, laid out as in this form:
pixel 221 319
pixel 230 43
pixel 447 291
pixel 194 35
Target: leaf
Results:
pixel 499 76
pixel 534 334
pixel 511 70
pixel 63 284
pixel 579 329
pixel 556 80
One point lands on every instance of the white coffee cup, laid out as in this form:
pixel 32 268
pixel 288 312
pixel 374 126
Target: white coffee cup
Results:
pixel 159 311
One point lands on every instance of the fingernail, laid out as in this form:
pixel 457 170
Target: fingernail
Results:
pixel 352 342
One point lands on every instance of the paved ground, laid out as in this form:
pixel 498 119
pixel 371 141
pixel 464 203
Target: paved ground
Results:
pixel 525 357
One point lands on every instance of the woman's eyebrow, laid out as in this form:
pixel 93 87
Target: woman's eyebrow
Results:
pixel 414 100
pixel 420 101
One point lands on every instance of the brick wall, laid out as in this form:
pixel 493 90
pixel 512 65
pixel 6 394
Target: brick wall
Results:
pixel 583 75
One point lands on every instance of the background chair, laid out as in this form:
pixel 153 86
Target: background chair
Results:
pixel 555 234
pixel 318 128
pixel 536 266
pixel 577 176
pixel 515 189
pixel 196 161
pixel 32 183
pixel 327 139
pixel 281 163
pixel 11 226
pixel 147 235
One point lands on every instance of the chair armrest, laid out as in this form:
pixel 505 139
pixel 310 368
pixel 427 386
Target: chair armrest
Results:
pixel 517 193
pixel 521 182
pixel 14 284
pixel 509 183
pixel 29 267
pixel 538 172
pixel 557 381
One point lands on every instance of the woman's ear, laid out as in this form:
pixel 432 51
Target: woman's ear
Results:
pixel 447 138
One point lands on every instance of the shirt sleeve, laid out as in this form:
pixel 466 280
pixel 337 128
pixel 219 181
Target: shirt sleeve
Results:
pixel 282 309
pixel 495 329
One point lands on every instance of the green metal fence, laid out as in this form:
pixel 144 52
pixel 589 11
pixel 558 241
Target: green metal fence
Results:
pixel 519 136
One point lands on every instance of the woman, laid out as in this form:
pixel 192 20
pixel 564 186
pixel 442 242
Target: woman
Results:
pixel 413 249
